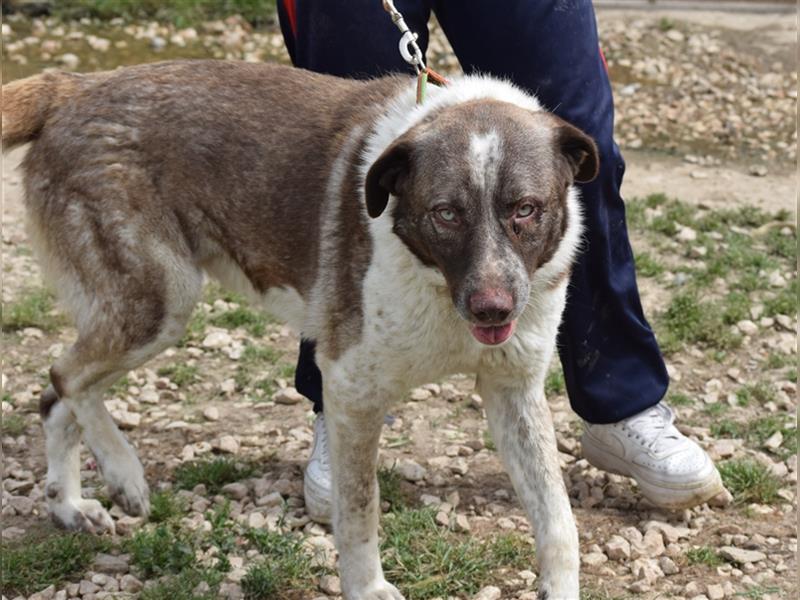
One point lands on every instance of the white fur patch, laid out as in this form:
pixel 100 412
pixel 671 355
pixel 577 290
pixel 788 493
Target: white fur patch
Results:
pixel 485 154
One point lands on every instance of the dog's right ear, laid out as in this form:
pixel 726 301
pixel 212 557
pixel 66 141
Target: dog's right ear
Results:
pixel 386 176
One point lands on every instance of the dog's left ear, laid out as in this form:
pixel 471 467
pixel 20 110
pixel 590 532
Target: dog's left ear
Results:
pixel 579 150
pixel 386 176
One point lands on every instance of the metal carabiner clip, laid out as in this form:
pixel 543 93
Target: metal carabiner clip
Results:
pixel 409 38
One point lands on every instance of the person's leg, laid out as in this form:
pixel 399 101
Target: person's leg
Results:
pixel 612 365
pixel 353 39
pixel 613 368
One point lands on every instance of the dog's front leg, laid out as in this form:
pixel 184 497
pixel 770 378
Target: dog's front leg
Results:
pixel 522 429
pixel 354 430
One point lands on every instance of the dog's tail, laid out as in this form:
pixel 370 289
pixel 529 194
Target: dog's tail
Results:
pixel 27 103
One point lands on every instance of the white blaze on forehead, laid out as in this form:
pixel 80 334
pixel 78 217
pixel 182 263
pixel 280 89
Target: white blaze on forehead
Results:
pixel 485 153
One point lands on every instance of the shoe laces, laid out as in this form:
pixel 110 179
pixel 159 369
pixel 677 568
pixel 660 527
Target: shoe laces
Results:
pixel 321 442
pixel 653 427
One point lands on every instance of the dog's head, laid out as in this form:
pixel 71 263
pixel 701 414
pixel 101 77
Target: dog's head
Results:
pixel 481 193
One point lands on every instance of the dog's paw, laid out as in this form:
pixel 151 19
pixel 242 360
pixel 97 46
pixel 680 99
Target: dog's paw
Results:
pixel 132 495
pixel 382 590
pixel 82 515
pixel 555 589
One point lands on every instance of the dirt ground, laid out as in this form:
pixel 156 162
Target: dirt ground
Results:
pixel 443 431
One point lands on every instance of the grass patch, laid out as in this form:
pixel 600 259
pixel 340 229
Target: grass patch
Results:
pixel 703 556
pixel 427 561
pixel 33 309
pixel 389 482
pixel 689 320
pixel 679 399
pixel 161 550
pixel 749 481
pixel 554 382
pixel 254 322
pixel 30 566
pixel 181 375
pixel 760 392
pixel 180 12
pixel 166 506
pixel 647 266
pixel 213 473
pixel 287 566
pixel 258 367
pixel 184 586
pixel 785 301
pixel 13 425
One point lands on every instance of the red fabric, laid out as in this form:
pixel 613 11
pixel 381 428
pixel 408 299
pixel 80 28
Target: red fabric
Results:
pixel 291 12
pixel 603 57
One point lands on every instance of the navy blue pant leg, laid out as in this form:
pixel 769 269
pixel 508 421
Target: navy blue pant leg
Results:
pixel 612 365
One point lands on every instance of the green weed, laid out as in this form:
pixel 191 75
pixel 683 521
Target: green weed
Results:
pixel 647 266
pixel 166 506
pixel 29 565
pixel 554 382
pixel 703 555
pixel 13 425
pixel 213 473
pixel 389 482
pixel 33 309
pixel 181 375
pixel 427 561
pixel 749 481
pixel 184 586
pixel 287 566
pixel 161 550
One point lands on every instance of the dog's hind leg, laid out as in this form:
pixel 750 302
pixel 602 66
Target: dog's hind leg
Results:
pixel 131 287
pixel 63 488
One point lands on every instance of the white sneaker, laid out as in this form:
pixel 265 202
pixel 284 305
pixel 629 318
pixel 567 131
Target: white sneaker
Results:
pixel 672 471
pixel 317 479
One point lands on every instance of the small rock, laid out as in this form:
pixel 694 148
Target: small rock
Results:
pixel 715 592
pixel 490 592
pixel 217 339
pixel 126 419
pixel 411 470
pixel 462 523
pixel 227 444
pixel 758 171
pixel 130 584
pixel 747 327
pixel 442 519
pixel 741 556
pixel 774 441
pixel 330 584
pixel 420 394
pixel 211 413
pixel 109 563
pixel 237 491
pixel 668 565
pixel 618 548
pixel 69 61
pixel 288 395
pixel 593 559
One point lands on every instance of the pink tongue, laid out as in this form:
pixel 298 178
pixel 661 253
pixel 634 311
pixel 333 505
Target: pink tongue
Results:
pixel 492 334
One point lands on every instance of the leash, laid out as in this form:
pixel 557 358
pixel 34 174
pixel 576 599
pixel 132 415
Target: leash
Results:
pixel 413 56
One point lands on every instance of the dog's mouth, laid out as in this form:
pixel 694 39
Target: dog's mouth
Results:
pixel 492 335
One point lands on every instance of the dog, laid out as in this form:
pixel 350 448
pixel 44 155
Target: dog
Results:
pixel 410 241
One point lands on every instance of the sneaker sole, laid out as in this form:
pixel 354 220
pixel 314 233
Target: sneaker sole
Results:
pixel 319 510
pixel 676 497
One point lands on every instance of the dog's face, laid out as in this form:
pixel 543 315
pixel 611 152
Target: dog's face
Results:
pixel 482 197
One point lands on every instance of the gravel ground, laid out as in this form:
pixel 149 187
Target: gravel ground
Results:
pixel 684 88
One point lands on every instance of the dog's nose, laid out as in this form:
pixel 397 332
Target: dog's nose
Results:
pixel 491 306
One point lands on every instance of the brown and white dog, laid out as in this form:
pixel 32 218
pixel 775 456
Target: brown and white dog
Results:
pixel 410 241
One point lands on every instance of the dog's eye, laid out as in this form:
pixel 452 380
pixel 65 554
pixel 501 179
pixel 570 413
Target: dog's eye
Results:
pixel 524 211
pixel 446 214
